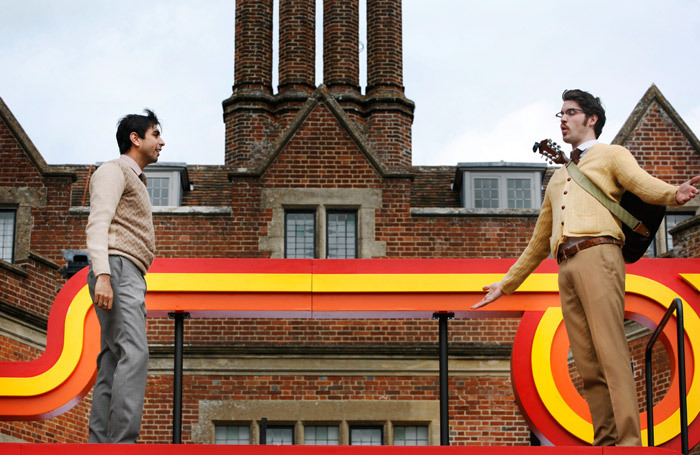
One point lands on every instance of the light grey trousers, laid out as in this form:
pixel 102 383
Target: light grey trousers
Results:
pixel 122 365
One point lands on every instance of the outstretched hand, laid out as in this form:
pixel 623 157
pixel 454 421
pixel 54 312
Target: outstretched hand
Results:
pixel 687 190
pixel 493 294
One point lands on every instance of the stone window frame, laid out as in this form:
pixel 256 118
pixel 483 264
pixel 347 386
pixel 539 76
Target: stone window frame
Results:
pixel 502 176
pixel 301 414
pixel 366 201
pixel 22 200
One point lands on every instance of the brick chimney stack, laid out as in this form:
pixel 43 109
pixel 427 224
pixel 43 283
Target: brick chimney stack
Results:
pixel 253 63
pixel 297 56
pixel 255 118
pixel 341 35
pixel 389 112
pixel 384 47
pixel 247 112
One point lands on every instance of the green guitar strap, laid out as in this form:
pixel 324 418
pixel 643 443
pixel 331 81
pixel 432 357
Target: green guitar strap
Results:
pixel 615 208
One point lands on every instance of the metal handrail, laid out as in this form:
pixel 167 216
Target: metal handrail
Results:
pixel 677 306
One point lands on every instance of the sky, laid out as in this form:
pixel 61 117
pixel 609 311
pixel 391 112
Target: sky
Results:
pixel 486 76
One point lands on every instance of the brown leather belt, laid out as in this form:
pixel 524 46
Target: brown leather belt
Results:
pixel 573 245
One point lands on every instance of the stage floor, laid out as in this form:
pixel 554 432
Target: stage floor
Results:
pixel 146 449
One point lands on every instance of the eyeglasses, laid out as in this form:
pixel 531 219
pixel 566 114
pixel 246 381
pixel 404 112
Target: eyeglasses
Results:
pixel 569 112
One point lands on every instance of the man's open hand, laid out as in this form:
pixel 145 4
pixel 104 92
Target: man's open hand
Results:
pixel 494 293
pixel 687 190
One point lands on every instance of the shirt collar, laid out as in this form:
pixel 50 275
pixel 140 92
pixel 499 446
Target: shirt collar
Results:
pixel 586 145
pixel 132 164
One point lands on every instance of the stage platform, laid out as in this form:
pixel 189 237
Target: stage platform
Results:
pixel 187 449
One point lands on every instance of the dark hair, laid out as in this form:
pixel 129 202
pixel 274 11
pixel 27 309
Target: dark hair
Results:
pixel 590 104
pixel 134 123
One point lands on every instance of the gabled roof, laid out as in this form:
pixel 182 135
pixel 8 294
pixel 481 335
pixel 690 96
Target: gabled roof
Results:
pixel 321 95
pixel 654 95
pixel 28 146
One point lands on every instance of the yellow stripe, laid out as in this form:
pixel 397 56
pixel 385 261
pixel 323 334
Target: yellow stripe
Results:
pixel 439 282
pixel 68 360
pixel 228 282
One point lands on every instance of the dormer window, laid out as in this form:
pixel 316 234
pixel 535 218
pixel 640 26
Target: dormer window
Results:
pixel 500 185
pixel 166 183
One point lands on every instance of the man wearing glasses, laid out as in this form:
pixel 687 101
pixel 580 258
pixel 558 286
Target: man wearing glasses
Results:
pixel 585 238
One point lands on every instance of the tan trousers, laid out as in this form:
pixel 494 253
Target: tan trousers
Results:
pixel 592 289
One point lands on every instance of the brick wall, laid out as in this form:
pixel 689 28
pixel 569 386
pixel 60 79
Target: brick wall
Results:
pixel 686 239
pixel 661 148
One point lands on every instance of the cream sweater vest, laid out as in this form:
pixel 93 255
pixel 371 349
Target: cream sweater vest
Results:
pixel 120 221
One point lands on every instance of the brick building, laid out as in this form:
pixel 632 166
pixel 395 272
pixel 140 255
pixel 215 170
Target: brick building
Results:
pixel 321 172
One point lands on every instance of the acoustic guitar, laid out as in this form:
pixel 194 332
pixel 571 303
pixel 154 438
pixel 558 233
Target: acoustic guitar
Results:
pixel 637 240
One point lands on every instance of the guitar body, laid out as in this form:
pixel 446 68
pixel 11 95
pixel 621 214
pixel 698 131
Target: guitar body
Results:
pixel 651 215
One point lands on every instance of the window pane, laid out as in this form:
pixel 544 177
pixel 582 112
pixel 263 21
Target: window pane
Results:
pixel 300 235
pixel 342 235
pixel 366 436
pixel 671 221
pixel 7 234
pixel 519 194
pixel 321 436
pixel 485 193
pixel 232 434
pixel 411 436
pixel 280 436
pixel 159 190
pixel 651 251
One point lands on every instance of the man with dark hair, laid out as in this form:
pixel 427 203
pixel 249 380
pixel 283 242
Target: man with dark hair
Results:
pixel 121 246
pixel 134 123
pixel 590 104
pixel 585 239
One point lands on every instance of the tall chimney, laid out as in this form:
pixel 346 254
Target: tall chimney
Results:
pixel 253 62
pixel 341 60
pixel 384 46
pixel 297 44
pixel 389 112
pixel 248 112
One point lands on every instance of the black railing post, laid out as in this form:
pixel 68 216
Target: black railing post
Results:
pixel 444 378
pixel 263 431
pixel 677 306
pixel 177 375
